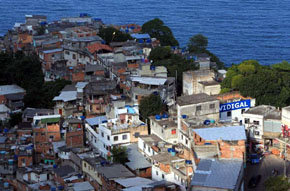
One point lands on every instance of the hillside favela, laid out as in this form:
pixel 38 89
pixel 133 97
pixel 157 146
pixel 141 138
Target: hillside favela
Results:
pixel 92 106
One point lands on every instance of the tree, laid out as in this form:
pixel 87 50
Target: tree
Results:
pixel 151 105
pixel 197 43
pixel 119 154
pixel 15 119
pixel 111 34
pixel 156 29
pixel 277 183
pixel 160 53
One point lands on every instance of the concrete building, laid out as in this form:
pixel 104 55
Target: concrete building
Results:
pixel 198 107
pixel 233 105
pixel 254 120
pixel 46 130
pixel 200 81
pixel 164 127
pixel 144 86
pixel 286 116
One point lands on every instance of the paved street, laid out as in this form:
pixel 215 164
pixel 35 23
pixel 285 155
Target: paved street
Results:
pixel 265 169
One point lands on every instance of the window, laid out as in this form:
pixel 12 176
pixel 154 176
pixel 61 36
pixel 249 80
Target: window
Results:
pixel 124 137
pixel 157 173
pixel 108 137
pixel 137 134
pixel 256 122
pixel 229 114
pixel 212 106
pixel 162 176
pixel 67 52
pixel 198 108
pixel 136 96
pixel 144 145
pixel 173 131
pixel 102 134
pixel 149 149
pixel 74 56
pixel 181 137
pixel 116 138
pixel 85 165
pixel 247 120
pixel 104 146
pixel 186 141
pixel 243 111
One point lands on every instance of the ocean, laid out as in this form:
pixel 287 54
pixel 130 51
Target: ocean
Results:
pixel 236 30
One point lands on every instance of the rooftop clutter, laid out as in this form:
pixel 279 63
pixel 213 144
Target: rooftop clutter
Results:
pixel 95 137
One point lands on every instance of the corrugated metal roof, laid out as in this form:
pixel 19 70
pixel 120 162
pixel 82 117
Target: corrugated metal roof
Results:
pixel 149 80
pixel 129 182
pixel 115 171
pixel 3 108
pixel 81 84
pixel 52 51
pixel 137 160
pixel 231 133
pixel 82 186
pixel 217 173
pixel 66 96
pixel 11 89
pixel 96 120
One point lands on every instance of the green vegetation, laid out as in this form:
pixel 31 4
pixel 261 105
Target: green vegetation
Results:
pixel 119 154
pixel 277 183
pixel 198 43
pixel 15 119
pixel 110 34
pixel 26 72
pixel 156 29
pixel 175 64
pixel 151 105
pixel 269 85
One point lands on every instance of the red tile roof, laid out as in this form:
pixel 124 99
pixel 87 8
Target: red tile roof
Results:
pixel 97 46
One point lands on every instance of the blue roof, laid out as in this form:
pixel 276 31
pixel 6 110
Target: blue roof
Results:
pixel 130 109
pixel 140 36
pixel 217 173
pixel 231 133
pixel 96 120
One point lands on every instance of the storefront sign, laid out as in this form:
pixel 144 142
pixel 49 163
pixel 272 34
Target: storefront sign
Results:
pixel 235 105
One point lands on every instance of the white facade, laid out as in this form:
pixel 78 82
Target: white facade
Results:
pixel 145 148
pixel 235 115
pixel 254 125
pixel 34 177
pixel 159 175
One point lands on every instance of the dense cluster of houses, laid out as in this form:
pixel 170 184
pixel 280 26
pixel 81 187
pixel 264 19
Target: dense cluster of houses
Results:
pixel 201 143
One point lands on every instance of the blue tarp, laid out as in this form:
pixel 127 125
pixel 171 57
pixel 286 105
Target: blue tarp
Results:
pixel 140 36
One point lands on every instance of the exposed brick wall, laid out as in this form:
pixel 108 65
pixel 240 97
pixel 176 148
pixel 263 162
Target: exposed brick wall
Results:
pixel 74 139
pixel 146 173
pixel 28 161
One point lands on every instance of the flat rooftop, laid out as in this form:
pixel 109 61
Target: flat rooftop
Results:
pixel 195 99
pixel 261 110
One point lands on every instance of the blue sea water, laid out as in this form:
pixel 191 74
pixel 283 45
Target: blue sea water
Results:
pixel 237 30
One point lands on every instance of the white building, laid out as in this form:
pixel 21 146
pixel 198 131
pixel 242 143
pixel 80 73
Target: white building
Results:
pixel 233 105
pixel 253 120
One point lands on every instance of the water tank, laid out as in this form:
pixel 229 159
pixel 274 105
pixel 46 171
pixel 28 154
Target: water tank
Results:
pixel 184 116
pixel 10 161
pixel 54 166
pixel 157 117
pixel 6 185
pixel 188 162
pixel 60 187
pixel 212 121
pixel 152 67
pixel 206 122
pixel 169 150
pixel 173 154
pixel 52 189
pixel 165 116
